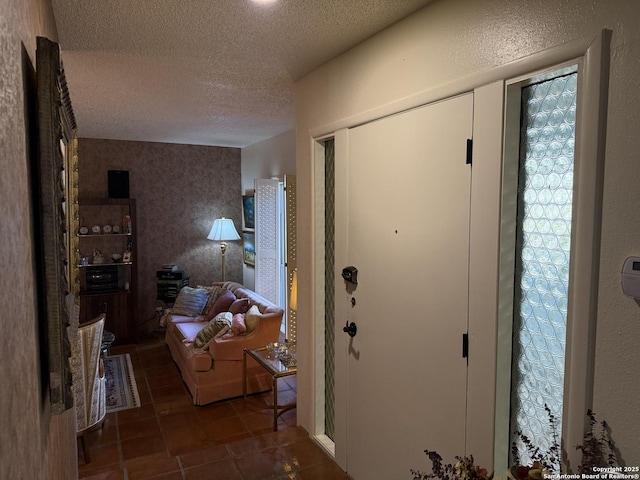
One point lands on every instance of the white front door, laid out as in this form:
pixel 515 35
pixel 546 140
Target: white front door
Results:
pixel 408 236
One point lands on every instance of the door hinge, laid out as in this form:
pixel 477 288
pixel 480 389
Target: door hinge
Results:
pixel 465 345
pixel 469 151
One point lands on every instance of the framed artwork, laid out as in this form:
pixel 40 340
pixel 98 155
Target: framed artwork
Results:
pixel 249 248
pixel 248 212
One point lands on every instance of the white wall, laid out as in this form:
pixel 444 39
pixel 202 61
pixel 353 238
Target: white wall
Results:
pixel 452 39
pixel 274 157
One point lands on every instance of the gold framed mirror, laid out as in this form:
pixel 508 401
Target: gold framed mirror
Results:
pixel 55 210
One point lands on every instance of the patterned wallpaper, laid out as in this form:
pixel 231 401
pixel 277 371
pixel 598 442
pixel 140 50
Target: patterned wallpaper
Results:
pixel 179 191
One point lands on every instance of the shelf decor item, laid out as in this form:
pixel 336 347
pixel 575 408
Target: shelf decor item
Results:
pixel 126 223
pixel 98 257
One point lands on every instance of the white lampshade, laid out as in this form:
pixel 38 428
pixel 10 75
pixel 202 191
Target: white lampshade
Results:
pixel 223 229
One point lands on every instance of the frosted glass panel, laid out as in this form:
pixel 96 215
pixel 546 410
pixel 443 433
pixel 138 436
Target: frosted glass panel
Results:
pixel 545 190
pixel 329 369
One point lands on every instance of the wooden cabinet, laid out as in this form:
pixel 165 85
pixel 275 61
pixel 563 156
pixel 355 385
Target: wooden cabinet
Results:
pixel 108 270
pixel 116 307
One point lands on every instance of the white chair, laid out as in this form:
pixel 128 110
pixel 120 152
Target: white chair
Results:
pixel 89 383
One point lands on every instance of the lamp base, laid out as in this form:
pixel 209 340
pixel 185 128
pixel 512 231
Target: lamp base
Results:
pixel 223 249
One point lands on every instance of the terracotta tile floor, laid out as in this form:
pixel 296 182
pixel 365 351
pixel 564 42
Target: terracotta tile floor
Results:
pixel 169 438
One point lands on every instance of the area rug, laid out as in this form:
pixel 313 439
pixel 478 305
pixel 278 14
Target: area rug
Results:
pixel 122 391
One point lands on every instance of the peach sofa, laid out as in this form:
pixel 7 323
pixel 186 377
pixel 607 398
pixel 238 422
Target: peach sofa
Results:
pixel 215 372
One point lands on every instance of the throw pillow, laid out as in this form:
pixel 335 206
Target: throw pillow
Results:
pixel 205 335
pixel 190 301
pixel 226 329
pixel 223 303
pixel 214 294
pixel 240 306
pixel 251 318
pixel 238 327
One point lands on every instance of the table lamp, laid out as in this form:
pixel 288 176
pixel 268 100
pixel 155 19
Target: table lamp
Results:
pixel 223 230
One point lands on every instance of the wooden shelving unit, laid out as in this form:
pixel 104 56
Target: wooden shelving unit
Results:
pixel 109 287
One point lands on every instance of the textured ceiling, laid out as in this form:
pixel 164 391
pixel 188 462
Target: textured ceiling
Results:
pixel 205 72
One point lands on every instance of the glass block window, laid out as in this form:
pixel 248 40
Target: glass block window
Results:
pixel 543 246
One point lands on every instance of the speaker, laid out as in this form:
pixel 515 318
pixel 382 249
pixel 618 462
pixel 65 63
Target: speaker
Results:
pixel 118 181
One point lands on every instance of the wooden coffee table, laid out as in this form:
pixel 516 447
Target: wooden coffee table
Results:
pixel 266 358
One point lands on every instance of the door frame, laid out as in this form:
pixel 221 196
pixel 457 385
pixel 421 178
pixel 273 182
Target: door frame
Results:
pixel 318 372
pixel 488 88
pixel 589 156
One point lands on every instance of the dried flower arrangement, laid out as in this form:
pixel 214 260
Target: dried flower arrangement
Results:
pixel 598 450
pixel 463 469
pixel 544 461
